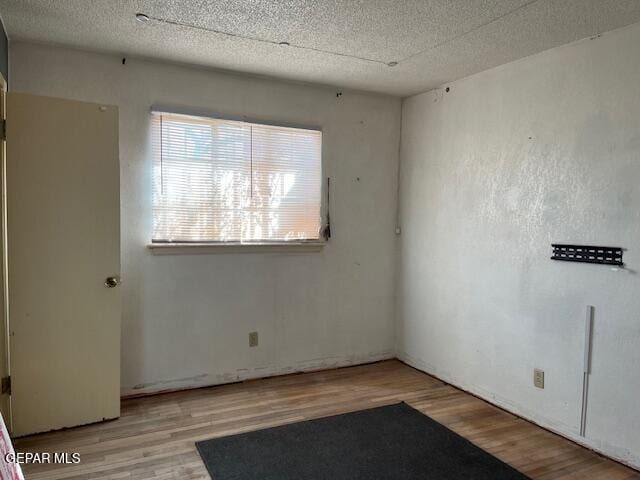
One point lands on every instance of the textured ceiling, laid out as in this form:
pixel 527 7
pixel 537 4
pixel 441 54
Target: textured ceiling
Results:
pixel 346 43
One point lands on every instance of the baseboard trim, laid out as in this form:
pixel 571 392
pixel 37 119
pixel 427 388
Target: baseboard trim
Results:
pixel 580 441
pixel 257 373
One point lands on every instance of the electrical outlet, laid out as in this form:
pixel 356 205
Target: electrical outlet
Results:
pixel 253 339
pixel 538 378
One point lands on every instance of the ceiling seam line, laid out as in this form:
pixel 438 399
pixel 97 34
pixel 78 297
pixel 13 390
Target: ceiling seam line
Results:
pixel 463 34
pixel 262 40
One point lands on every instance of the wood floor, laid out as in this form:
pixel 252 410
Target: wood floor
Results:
pixel 154 438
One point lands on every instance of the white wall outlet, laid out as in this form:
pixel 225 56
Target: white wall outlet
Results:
pixel 253 339
pixel 538 378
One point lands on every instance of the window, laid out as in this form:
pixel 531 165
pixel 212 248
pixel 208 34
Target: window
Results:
pixel 231 181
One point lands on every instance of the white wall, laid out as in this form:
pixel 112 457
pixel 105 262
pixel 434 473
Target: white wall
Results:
pixel 186 318
pixel 542 150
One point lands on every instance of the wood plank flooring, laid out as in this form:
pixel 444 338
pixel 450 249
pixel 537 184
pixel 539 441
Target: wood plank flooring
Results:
pixel 154 438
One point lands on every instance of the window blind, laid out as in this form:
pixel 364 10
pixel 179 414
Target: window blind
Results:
pixel 220 180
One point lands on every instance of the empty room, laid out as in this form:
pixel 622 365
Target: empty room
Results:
pixel 320 239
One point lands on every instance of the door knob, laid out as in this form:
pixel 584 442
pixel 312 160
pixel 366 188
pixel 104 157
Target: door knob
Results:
pixel 111 282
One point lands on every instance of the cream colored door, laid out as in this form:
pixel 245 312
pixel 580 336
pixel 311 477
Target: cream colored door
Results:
pixel 63 226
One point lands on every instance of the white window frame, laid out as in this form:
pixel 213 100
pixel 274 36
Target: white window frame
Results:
pixel 312 245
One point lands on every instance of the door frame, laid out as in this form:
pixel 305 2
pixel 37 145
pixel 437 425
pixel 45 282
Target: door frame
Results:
pixel 5 365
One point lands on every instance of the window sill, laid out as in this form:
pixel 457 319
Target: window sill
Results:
pixel 207 248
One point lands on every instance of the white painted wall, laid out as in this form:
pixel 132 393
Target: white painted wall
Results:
pixel 186 318
pixel 542 150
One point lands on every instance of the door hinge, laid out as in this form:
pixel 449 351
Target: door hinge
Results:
pixel 3 129
pixel 6 385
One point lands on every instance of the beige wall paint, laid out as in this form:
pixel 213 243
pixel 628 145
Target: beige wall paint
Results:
pixel 186 318
pixel 546 149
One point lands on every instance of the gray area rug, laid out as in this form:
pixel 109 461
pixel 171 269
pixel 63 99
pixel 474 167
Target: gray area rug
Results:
pixel 394 442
